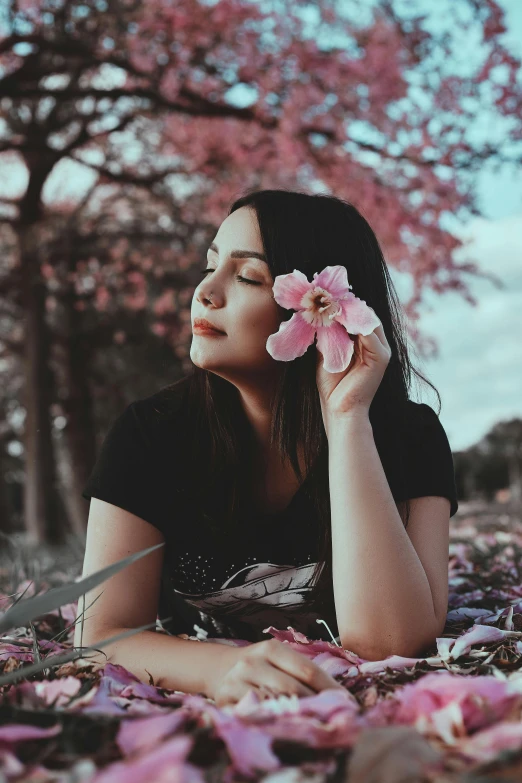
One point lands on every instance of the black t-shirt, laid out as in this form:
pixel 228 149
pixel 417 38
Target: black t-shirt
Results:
pixel 236 589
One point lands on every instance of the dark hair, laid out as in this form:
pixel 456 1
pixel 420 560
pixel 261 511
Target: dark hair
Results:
pixel 307 232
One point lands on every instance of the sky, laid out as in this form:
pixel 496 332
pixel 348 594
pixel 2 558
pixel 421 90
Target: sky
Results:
pixel 478 371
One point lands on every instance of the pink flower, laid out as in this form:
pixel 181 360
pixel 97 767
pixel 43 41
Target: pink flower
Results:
pixel 325 307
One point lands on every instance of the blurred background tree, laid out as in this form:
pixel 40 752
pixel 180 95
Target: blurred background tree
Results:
pixel 493 464
pixel 126 129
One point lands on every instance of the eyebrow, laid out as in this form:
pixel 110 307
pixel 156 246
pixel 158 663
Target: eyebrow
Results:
pixel 240 253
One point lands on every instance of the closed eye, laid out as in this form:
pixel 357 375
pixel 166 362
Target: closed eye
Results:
pixel 238 277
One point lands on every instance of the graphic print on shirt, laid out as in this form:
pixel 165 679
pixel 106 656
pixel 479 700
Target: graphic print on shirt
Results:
pixel 260 595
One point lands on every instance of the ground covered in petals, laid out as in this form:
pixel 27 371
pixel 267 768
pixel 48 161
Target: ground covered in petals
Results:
pixel 455 715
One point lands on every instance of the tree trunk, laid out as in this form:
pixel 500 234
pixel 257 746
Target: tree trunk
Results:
pixel 45 519
pixel 515 478
pixel 470 484
pixel 6 512
pixel 79 446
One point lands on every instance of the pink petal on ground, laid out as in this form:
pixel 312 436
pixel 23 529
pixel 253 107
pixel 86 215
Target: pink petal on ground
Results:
pixel 325 703
pixel 104 705
pixel 393 661
pixel 433 691
pixel 289 289
pixel 292 339
pixel 444 646
pixel 356 316
pixel 448 722
pixel 10 765
pixel 287 724
pixel 452 705
pixel 321 705
pixel 477 634
pixel 485 745
pixel 312 648
pixel 332 665
pixel 21 654
pixel 465 611
pixel 166 763
pixel 21 732
pixel 58 691
pixel 142 734
pixel 120 682
pixel 335 344
pixel 249 747
pixel 142 708
pixel 333 279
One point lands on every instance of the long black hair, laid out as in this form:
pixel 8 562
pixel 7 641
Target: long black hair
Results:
pixel 305 232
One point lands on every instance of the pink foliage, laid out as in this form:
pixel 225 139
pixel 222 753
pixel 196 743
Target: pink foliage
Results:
pixel 301 128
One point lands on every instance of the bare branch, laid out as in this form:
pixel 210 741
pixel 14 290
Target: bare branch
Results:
pixel 131 179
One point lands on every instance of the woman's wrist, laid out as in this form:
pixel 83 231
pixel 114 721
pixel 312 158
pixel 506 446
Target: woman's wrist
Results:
pixel 337 423
pixel 222 661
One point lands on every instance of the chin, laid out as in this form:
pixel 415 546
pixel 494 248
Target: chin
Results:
pixel 203 361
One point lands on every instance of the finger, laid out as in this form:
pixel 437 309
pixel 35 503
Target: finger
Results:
pixel 264 691
pixel 272 680
pixel 379 331
pixel 374 342
pixel 300 667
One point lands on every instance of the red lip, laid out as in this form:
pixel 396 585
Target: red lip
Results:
pixel 201 324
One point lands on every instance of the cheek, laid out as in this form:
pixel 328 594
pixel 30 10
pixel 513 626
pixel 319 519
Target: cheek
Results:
pixel 266 320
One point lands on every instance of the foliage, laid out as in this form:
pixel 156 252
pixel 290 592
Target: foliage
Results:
pixel 174 109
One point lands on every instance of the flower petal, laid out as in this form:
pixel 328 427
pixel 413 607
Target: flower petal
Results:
pixel 289 289
pixel 292 339
pixel 333 279
pixel 356 316
pixel 335 344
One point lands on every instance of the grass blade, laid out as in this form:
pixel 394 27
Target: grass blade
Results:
pixel 26 611
pixel 57 660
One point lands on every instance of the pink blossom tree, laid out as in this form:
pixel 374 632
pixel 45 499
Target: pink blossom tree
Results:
pixel 173 109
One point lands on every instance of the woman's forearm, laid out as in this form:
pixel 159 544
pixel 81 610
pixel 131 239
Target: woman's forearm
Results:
pixel 383 599
pixel 174 663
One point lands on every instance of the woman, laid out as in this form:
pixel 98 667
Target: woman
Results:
pixel 248 465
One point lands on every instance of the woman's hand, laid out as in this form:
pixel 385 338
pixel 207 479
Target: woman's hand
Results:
pixel 351 392
pixel 270 668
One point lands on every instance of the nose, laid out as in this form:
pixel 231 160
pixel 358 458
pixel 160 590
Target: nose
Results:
pixel 207 297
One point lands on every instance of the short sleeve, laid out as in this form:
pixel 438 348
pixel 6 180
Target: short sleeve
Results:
pixel 429 461
pixel 123 472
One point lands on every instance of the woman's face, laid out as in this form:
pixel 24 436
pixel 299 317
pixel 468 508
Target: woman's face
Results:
pixel 246 312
